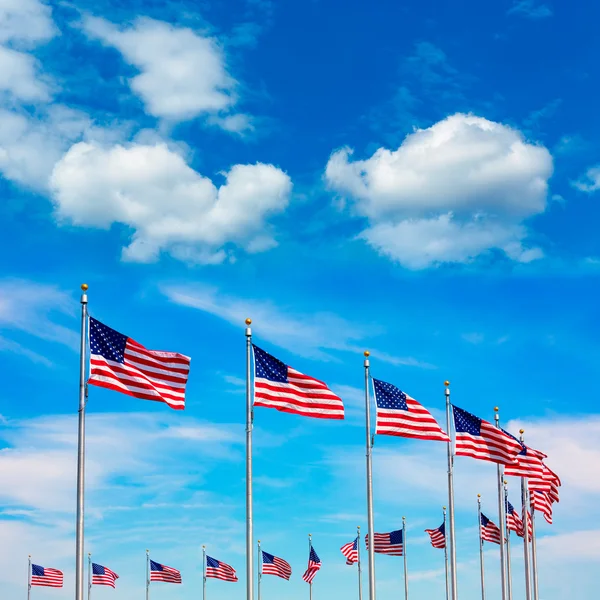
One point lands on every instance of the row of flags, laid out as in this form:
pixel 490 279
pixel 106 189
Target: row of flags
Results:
pixel 45 577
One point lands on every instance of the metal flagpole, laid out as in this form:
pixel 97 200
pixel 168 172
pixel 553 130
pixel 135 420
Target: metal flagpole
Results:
pixel 309 549
pixel 534 573
pixel 525 503
pixel 147 574
pixel 249 508
pixel 259 569
pixel 89 575
pixel 451 536
pixel 501 516
pixel 405 563
pixel 446 556
pixel 481 548
pixel 29 579
pixel 203 572
pixel 508 565
pixel 359 566
pixel 79 566
pixel 370 525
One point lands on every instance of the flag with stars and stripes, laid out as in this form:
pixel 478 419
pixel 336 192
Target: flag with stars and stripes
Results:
pixel 103 576
pixel 481 440
pixel 280 387
pixel 272 565
pixel 438 536
pixel 489 531
pixel 314 564
pixel 219 570
pixel 391 543
pixel 528 463
pixel 160 572
pixel 549 483
pixel 43 577
pixel 399 414
pixel 541 503
pixel 119 363
pixel 350 551
pixel 513 520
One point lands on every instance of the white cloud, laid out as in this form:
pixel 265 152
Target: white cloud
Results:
pixel 169 206
pixel 183 74
pixel 530 9
pixel 449 193
pixel 590 182
pixel 26 22
pixel 19 76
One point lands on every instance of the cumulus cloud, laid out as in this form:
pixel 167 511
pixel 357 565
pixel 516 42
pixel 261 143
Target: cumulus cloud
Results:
pixel 590 182
pixel 183 74
pixel 449 193
pixel 26 22
pixel 170 207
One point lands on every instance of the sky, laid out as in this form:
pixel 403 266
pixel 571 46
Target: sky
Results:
pixel 416 179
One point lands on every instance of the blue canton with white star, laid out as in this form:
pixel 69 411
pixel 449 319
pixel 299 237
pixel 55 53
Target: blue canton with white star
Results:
pixel 211 562
pixel 484 520
pixel 396 537
pixel 313 556
pixel 154 566
pixel 465 422
pixel 269 367
pixel 389 396
pixel 107 342
pixel 98 569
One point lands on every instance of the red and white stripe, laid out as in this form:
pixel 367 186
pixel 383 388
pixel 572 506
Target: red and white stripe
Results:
pixel 384 546
pixel 145 374
pixel 279 568
pixel 527 465
pixel 300 395
pixel 416 422
pixel 541 502
pixel 492 444
pixel 109 578
pixel 490 533
pixel 438 539
pixel 224 572
pixel 311 572
pixel 515 523
pixel 51 578
pixel 168 575
pixel 350 551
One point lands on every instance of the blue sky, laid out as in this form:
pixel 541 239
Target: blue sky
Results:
pixel 420 180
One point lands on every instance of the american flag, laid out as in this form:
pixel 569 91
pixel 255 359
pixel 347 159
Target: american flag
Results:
pixel 271 565
pixel 46 577
pixel 479 439
pixel 399 414
pixel 528 463
pixel 513 520
pixel 160 572
pixel 541 502
pixel 350 551
pixel 388 543
pixel 103 576
pixel 219 570
pixel 438 536
pixel 119 363
pixel 314 564
pixel 549 482
pixel 489 531
pixel 287 390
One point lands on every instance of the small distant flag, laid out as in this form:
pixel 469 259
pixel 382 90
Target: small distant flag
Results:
pixel 103 576
pixel 160 572
pixel 489 531
pixel 119 363
pixel 528 463
pixel 272 565
pixel 350 551
pixel 438 536
pixel 513 520
pixel 287 390
pixel 43 577
pixel 541 503
pixel 399 414
pixel 314 564
pixel 391 543
pixel 219 570
pixel 481 440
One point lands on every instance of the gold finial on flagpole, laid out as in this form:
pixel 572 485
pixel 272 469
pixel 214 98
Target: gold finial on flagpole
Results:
pixel 496 409
pixel 84 287
pixel 367 353
pixel 521 431
pixel 248 322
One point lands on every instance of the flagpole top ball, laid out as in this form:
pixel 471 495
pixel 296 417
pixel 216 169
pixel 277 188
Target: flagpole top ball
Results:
pixel 521 431
pixel 84 287
pixel 367 353
pixel 479 495
pixel 446 383
pixel 248 322
pixel 443 508
pixel 496 409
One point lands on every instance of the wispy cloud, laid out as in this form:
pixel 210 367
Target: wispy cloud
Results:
pixel 530 9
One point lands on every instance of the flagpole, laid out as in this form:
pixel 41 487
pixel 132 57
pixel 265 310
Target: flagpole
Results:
pixel 29 579
pixel 359 567
pixel 405 562
pixel 508 560
pixel 259 569
pixel 501 516
pixel 89 576
pixel 79 567
pixel 249 508
pixel 452 538
pixel 534 572
pixel 525 503
pixel 370 525
pixel 481 548
pixel 203 572
pixel 309 549
pixel 147 574
pixel 446 556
